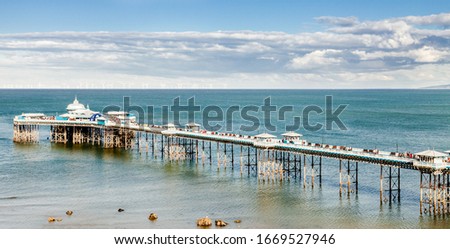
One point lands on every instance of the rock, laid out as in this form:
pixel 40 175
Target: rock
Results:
pixel 237 221
pixel 153 216
pixel 221 223
pixel 120 210
pixel 59 219
pixel 69 212
pixel 51 219
pixel 204 222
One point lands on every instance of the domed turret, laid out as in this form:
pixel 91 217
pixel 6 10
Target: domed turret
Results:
pixel 75 106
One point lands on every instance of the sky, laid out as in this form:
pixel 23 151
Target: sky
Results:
pixel 224 44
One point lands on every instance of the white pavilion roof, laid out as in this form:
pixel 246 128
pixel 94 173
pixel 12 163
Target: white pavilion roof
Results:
pixel 265 135
pixel 75 105
pixel 431 153
pixel 291 134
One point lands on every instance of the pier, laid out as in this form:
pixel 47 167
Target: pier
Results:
pixel 270 158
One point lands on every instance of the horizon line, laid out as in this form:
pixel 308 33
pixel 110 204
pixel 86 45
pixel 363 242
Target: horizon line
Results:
pixel 253 89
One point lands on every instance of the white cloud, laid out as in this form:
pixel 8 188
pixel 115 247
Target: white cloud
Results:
pixel 351 53
pixel 391 34
pixel 428 54
pixel 424 54
pixel 442 19
pixel 316 59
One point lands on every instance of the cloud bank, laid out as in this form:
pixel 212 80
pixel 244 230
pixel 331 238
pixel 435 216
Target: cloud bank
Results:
pixel 411 51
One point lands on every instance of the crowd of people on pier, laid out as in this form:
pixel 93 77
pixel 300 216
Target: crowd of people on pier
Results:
pixel 407 154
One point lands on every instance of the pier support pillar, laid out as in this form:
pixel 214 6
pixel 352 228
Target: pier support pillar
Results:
pixel 205 152
pixel 269 168
pixel 96 136
pixel 142 142
pixel 147 143
pixel 58 134
pixel 434 193
pixel 77 135
pixel 250 159
pixel 225 154
pixel 348 177
pixel 161 146
pixel 190 148
pixel 125 139
pixel 174 149
pixel 109 138
pixel 26 133
pixel 312 170
pixel 389 184
pixel 197 151
pixel 154 144
pixel 291 163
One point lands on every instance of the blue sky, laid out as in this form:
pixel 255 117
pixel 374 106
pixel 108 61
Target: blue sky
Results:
pixel 224 44
pixel 290 16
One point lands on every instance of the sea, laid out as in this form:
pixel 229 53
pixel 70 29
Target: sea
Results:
pixel 44 180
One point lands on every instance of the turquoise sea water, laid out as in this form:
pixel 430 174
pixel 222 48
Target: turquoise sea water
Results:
pixel 42 180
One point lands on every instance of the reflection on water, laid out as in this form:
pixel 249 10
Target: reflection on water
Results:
pixel 99 153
